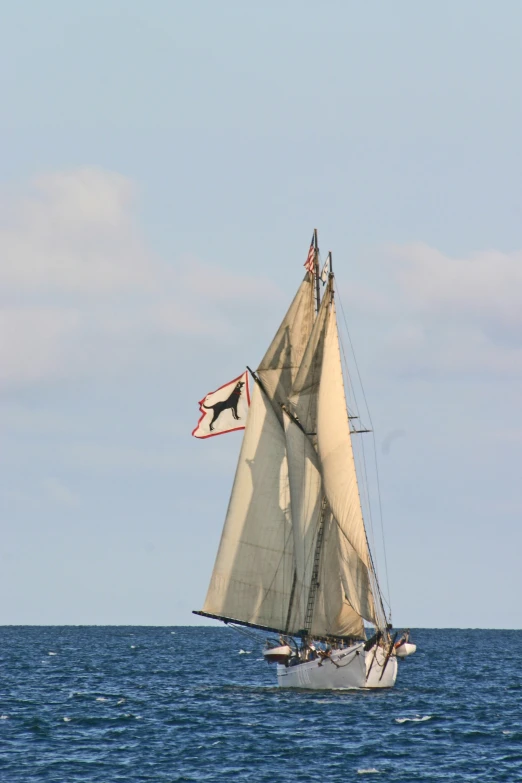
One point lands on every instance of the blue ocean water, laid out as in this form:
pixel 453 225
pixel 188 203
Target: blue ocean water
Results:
pixel 132 704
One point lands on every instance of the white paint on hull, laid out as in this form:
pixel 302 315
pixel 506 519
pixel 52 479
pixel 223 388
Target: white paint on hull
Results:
pixel 380 673
pixel 352 667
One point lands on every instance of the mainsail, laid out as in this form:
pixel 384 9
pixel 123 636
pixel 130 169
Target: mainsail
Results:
pixel 306 504
pixel 294 555
pixel 253 573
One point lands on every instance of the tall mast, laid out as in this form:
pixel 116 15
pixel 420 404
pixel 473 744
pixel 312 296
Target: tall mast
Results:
pixel 314 582
pixel 316 265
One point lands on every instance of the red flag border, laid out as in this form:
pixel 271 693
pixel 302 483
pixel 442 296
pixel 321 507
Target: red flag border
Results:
pixel 204 412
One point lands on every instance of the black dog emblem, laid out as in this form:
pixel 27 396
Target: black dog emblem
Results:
pixel 230 403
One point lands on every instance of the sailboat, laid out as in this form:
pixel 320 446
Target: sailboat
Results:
pixel 294 559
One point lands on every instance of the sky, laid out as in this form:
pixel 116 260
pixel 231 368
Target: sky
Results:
pixel 163 167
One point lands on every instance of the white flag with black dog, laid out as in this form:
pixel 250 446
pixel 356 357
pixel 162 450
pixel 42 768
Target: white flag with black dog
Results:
pixel 225 409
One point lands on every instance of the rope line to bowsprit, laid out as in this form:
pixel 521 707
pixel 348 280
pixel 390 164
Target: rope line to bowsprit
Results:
pixel 340 665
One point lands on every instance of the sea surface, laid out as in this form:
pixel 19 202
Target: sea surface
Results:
pixel 199 704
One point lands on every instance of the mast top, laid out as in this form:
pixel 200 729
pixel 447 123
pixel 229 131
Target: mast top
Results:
pixel 316 273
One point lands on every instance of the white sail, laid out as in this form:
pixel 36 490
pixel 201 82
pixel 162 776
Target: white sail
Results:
pixel 264 568
pixel 305 499
pixel 338 608
pixel 303 398
pixel 253 573
pixel 354 575
pixel 333 614
pixel 344 595
pixel 339 477
pixel 281 362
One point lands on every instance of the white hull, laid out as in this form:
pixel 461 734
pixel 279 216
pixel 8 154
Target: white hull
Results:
pixel 348 668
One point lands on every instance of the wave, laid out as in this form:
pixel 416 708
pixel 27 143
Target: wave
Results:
pixel 416 719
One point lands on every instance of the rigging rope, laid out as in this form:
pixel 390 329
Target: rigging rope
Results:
pixel 362 471
pixel 246 632
pixel 374 449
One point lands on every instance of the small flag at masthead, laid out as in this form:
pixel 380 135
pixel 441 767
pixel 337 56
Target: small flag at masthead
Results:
pixel 309 264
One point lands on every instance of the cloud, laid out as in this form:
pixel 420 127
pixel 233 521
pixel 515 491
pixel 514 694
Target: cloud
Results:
pixel 484 288
pixel 444 314
pixel 72 231
pixel 82 293
pixel 32 341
